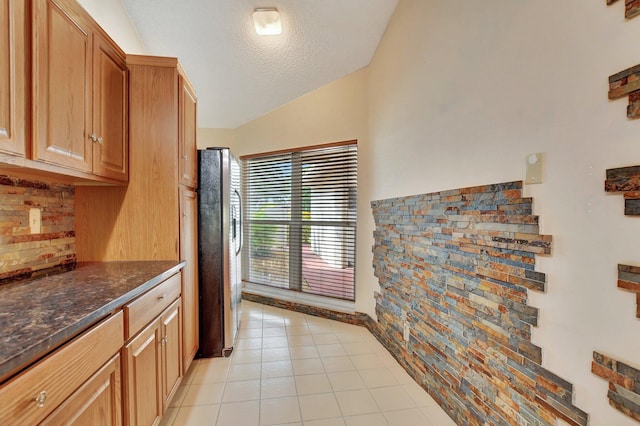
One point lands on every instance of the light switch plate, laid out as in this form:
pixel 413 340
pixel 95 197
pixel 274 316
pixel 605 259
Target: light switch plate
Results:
pixel 35 220
pixel 534 163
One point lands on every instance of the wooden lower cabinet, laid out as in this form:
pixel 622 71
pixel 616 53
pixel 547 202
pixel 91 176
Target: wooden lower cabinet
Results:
pixel 99 378
pixel 189 253
pixel 36 393
pixel 97 402
pixel 171 352
pixel 153 368
pixel 142 403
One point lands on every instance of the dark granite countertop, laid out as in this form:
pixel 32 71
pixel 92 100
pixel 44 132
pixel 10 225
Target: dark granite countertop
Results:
pixel 38 315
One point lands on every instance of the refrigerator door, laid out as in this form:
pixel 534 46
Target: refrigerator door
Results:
pixel 235 238
pixel 210 253
pixel 218 223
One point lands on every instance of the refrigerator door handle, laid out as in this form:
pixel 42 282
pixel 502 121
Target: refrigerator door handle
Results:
pixel 239 220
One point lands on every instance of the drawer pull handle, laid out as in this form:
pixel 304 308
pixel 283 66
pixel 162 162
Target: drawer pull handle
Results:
pixel 163 341
pixel 161 298
pixel 41 399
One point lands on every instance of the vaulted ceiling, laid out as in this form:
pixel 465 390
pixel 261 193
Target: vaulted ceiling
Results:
pixel 240 75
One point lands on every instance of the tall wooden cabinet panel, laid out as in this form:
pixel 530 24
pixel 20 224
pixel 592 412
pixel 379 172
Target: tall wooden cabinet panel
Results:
pixel 146 221
pixel 140 222
pixel 188 128
pixel 188 251
pixel 13 76
pixel 75 66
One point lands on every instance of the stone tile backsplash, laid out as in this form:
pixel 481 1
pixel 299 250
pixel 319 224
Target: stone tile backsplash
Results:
pixel 454 269
pixel 22 253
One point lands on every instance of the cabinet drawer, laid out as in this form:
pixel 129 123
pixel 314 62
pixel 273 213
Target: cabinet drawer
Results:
pixel 29 397
pixel 144 309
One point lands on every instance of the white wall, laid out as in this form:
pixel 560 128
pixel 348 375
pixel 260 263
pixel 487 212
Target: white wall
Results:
pixel 460 91
pixel 333 113
pixel 207 137
pixel 111 16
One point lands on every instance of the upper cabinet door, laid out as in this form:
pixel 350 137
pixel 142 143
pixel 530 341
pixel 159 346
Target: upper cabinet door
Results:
pixel 188 128
pixel 110 88
pixel 13 76
pixel 62 88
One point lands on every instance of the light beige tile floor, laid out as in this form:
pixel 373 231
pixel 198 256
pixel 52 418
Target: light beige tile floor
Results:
pixel 292 369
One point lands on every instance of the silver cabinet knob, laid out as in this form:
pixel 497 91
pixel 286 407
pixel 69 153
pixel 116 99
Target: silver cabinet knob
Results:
pixel 41 399
pixel 95 138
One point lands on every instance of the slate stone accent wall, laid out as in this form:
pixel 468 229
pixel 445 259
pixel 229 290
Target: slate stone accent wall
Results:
pixel 23 254
pixel 626 180
pixel 631 7
pixel 454 269
pixel 627 83
pixel 629 279
pixel 624 384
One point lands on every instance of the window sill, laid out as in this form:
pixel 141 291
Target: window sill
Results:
pixel 302 298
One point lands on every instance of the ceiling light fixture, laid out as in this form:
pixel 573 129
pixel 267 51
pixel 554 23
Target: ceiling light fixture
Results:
pixel 267 21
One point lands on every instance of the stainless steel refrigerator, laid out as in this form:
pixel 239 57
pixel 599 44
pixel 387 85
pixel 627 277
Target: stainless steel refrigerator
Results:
pixel 219 245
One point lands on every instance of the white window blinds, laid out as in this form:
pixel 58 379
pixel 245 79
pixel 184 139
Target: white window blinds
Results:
pixel 300 219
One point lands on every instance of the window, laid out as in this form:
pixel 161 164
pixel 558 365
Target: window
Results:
pixel 300 219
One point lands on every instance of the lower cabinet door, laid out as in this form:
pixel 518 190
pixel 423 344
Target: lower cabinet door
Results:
pixel 171 351
pixel 189 253
pixel 142 373
pixel 97 402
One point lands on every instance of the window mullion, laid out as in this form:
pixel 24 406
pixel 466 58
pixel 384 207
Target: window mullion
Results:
pixel 295 229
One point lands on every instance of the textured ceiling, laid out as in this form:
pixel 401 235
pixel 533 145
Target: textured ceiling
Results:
pixel 239 75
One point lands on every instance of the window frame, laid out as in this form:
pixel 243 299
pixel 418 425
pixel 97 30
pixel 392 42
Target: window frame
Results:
pixel 296 222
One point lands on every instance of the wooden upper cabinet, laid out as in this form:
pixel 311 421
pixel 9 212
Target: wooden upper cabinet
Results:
pixel 110 115
pixel 13 76
pixel 188 128
pixel 62 89
pixel 79 95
